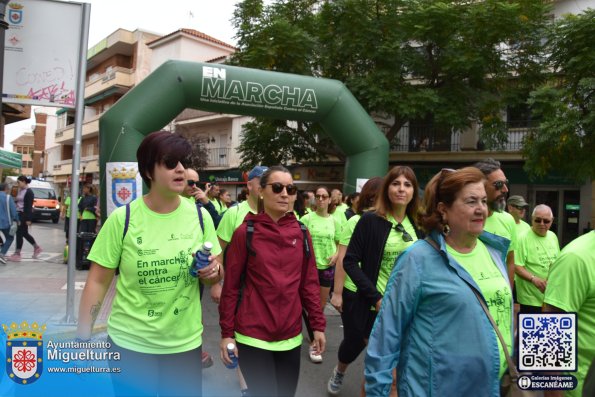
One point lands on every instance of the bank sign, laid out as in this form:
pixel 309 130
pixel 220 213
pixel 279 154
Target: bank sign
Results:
pixel 216 88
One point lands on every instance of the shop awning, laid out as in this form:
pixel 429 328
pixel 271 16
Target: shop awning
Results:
pixel 10 159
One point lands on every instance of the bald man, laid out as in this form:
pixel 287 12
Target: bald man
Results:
pixel 536 251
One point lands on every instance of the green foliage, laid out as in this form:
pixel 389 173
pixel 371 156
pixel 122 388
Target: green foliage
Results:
pixel 450 61
pixel 565 138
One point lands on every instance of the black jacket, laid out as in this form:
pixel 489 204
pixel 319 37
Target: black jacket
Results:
pixel 367 247
pixel 87 203
pixel 28 205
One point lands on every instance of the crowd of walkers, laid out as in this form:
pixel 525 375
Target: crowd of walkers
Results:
pixel 424 286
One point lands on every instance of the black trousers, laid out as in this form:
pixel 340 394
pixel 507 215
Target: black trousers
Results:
pixel 270 373
pixel 23 232
pixel 356 328
pixel 142 374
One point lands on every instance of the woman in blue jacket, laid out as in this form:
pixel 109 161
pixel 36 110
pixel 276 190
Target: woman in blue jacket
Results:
pixel 431 326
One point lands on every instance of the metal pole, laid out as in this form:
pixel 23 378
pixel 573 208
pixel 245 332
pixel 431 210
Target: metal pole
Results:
pixel 3 29
pixel 69 318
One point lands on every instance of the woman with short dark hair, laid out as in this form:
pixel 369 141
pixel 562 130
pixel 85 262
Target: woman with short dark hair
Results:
pixel 155 320
pixel 431 325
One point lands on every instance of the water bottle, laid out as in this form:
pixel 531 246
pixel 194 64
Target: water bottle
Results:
pixel 234 359
pixel 201 259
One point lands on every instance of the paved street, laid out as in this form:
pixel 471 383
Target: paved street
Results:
pixel 35 290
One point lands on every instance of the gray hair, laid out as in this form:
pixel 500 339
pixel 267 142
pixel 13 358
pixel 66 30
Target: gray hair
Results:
pixel 542 207
pixel 487 166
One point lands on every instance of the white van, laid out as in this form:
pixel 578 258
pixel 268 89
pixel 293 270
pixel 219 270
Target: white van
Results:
pixel 45 202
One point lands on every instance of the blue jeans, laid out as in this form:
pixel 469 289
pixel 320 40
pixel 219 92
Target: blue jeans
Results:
pixel 8 239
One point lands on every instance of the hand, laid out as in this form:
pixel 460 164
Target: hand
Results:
pixel 378 304
pixel 223 350
pixel 28 223
pixel 211 272
pixel 319 342
pixel 216 292
pixel 332 260
pixel 200 195
pixel 540 284
pixel 337 301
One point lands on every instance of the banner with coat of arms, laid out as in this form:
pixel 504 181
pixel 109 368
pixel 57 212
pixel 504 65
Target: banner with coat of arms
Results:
pixel 123 184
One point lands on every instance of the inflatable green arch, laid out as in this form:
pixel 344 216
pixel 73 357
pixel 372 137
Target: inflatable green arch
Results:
pixel 177 85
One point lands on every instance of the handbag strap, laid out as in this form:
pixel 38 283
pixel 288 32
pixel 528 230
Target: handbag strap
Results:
pixel 8 210
pixel 512 369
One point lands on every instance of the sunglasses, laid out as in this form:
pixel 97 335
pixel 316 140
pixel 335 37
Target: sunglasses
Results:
pixel 277 188
pixel 321 197
pixel 191 182
pixel 172 162
pixel 500 184
pixel 518 207
pixel 401 229
pixel 541 220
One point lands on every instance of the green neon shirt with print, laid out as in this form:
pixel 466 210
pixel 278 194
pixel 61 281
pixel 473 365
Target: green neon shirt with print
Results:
pixel 157 305
pixel 325 232
pixel 536 254
pixel 394 246
pixel 494 288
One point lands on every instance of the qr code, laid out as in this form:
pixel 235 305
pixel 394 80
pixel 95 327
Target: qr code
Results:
pixel 547 342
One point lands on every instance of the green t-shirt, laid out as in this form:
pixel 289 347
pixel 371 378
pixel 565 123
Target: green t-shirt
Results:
pixel 393 248
pixel 571 287
pixel 325 232
pixel 87 215
pixel 346 233
pixel 494 288
pixel 232 219
pixel 277 346
pixel 219 206
pixel 521 228
pixel 536 254
pixel 502 224
pixel 67 205
pixel 157 305
pixel 339 213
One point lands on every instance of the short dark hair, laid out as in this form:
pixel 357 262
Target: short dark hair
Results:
pixel 487 166
pixel 444 187
pixel 383 203
pixel 158 147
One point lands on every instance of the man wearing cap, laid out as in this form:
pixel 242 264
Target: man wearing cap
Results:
pixel 536 252
pixel 517 206
pixel 499 222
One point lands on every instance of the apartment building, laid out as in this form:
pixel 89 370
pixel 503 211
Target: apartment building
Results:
pixel 24 145
pixel 114 66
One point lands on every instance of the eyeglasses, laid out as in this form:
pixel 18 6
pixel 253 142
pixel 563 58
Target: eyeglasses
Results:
pixel 542 220
pixel 172 162
pixel 191 182
pixel 277 188
pixel 401 229
pixel 321 197
pixel 500 184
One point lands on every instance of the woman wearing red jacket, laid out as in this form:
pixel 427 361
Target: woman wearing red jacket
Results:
pixel 277 277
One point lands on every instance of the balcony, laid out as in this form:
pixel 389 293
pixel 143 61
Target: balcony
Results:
pixel 65 136
pixel 64 167
pixel 425 139
pixel 115 77
pixel 218 157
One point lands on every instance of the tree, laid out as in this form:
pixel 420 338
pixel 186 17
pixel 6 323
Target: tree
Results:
pixel 199 157
pixel 449 62
pixel 564 141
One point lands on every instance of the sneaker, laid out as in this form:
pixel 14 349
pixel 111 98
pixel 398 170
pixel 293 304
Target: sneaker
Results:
pixel 315 358
pixel 207 360
pixel 335 382
pixel 36 252
pixel 14 257
pixel 2 259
